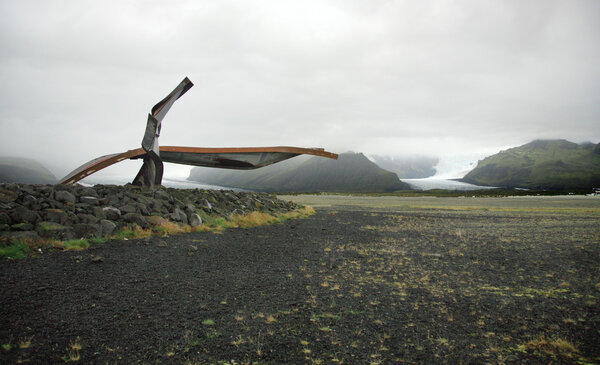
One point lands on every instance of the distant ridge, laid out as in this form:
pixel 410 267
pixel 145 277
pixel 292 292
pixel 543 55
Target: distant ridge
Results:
pixel 24 170
pixel 351 172
pixel 543 165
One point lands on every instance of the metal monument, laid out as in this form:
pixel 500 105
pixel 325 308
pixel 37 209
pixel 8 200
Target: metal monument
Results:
pixel 153 155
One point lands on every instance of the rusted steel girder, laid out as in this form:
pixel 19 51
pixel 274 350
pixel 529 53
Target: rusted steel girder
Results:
pixel 151 172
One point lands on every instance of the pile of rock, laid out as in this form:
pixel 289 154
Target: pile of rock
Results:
pixel 75 211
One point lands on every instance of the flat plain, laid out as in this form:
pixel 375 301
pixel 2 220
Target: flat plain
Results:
pixel 372 280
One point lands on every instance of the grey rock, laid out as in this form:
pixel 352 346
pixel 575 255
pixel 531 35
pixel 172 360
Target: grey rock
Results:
pixel 137 219
pixel 112 213
pixel 63 187
pixel 97 259
pixel 190 207
pixel 88 192
pixel 195 220
pixel 156 205
pixel 99 213
pixel 128 208
pixel 87 230
pixel 178 215
pixel 55 215
pixel 161 194
pixel 29 200
pixel 90 200
pixel 4 218
pixel 206 205
pixel 111 200
pixel 23 215
pixel 108 227
pixel 144 200
pixel 71 219
pixel 87 218
pixel 64 196
pixel 142 209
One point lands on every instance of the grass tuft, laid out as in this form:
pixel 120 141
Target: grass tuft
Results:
pixel 170 228
pixel 557 347
pixel 75 245
pixel 16 250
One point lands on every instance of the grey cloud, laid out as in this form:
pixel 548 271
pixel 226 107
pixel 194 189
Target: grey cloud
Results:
pixel 405 77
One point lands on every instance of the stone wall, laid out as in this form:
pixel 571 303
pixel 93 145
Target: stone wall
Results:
pixel 75 211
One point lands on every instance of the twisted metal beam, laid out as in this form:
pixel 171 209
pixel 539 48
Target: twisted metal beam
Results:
pixel 151 172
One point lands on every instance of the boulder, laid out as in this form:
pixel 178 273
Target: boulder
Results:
pixel 87 230
pixel 137 219
pixel 128 208
pixel 23 215
pixel 195 220
pixel 179 215
pixel 87 218
pixel 99 213
pixel 161 194
pixel 85 191
pixel 205 204
pixel 64 196
pixel 108 227
pixel 4 218
pixel 90 200
pixel 112 213
pixel 29 201
pixel 55 215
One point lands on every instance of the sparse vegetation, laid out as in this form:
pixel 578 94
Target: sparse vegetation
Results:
pixel 26 248
pixel 15 250
pixel 368 280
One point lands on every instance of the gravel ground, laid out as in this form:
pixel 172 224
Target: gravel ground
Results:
pixel 343 286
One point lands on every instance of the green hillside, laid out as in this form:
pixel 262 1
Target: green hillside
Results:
pixel 351 172
pixel 24 170
pixel 543 165
pixel 408 167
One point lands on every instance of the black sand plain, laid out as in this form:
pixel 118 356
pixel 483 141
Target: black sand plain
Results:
pixel 364 281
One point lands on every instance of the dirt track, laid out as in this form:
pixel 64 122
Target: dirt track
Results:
pixel 346 285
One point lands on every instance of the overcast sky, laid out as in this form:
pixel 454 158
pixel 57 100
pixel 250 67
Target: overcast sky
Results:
pixel 453 79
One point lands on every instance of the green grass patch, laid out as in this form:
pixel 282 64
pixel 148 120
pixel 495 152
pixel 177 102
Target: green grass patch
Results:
pixel 15 250
pixel 75 245
pixel 208 322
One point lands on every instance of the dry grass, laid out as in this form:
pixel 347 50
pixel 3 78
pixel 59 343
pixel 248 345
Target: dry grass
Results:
pixel 557 347
pixel 26 248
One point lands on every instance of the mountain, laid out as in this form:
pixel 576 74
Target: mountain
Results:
pixel 24 170
pixel 351 172
pixel 409 167
pixel 542 165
